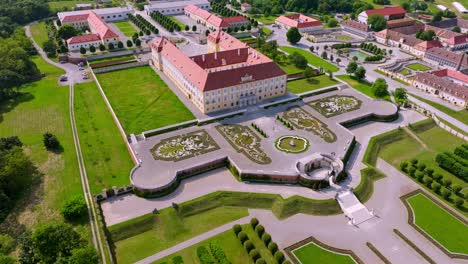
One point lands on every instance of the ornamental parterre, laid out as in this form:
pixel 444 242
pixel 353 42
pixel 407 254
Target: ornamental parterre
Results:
pixel 335 105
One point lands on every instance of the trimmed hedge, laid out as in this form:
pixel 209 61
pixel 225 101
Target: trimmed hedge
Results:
pixel 451 163
pixel 376 143
pixel 218 253
pixel 366 187
pixel 204 256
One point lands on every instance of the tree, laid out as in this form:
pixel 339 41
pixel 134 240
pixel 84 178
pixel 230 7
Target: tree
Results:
pixel 50 48
pixel 82 50
pixel 51 142
pixel 352 66
pixel 458 202
pixel 67 31
pixel 141 33
pixel 324 55
pixel 380 88
pixel 92 48
pixel 86 255
pixel 53 240
pixel 332 23
pixel 400 94
pixel 338 60
pixel 293 35
pixel 194 28
pixel 377 22
pixel 138 42
pixel 120 45
pixel 102 47
pixel 360 73
pixel 6 244
pixel 308 72
pixel 311 48
pixel 254 222
pixel 187 27
pixel 63 49
pixel 298 60
pixel 74 209
pixel 437 16
pixel 456 29
pixel 129 43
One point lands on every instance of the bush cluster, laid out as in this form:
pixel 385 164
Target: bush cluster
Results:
pixel 455 162
pixel 165 21
pixel 259 130
pixel 51 142
pixel 204 256
pixel 218 253
pixel 372 48
pixel 435 181
pixel 74 209
pixel 222 10
pixel 341 46
pixel 143 24
pixel 374 58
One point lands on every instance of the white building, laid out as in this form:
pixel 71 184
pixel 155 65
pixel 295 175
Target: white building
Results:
pixel 460 7
pixel 441 7
pixel 171 8
pixel 389 13
pixel 107 14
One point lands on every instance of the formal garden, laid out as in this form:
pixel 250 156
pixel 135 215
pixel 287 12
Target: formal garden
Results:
pixel 245 141
pixel 184 146
pixel 335 105
pixel 428 216
pixel 303 120
pixel 317 252
pixel 292 144
pixel 418 67
pixel 126 28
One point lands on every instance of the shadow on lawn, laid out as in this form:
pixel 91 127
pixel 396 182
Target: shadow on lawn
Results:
pixel 9 104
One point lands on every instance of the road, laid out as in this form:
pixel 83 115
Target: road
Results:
pixel 74 74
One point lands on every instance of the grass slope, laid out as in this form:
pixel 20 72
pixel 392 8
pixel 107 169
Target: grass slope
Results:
pixel 312 59
pixel 39 33
pixel 149 234
pixel 107 160
pixel 141 100
pixel 43 107
pixel 313 83
pixel 461 115
pixel 362 86
pixel 439 224
pixel 311 253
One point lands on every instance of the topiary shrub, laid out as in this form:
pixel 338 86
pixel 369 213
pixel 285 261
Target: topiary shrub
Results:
pixel 414 161
pixel 254 254
pixel 273 247
pixel 404 166
pixel 437 176
pixel 279 256
pixel 260 261
pixel 458 202
pixel 248 245
pixel 421 166
pixel 447 182
pixel 254 222
pixel 266 238
pixel 429 172
pixel 456 188
pixel 445 193
pixel 242 236
pixel 412 171
pixel 427 180
pixel 236 229
pixel 74 209
pixel 259 230
pixel 419 175
pixel 435 187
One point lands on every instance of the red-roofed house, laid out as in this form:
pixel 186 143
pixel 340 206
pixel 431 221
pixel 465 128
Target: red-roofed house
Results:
pixel 225 79
pixel 213 22
pixel 303 23
pixel 449 85
pixel 245 7
pixel 389 13
pixel 97 26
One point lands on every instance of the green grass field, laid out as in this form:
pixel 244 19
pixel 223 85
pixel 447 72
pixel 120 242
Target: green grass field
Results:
pixel 69 5
pixel 436 140
pixel 149 234
pixel 126 28
pixel 344 37
pixel 461 115
pixel 141 100
pixel 362 86
pixel 43 107
pixel 130 56
pixel 267 20
pixel 107 160
pixel 175 20
pixel 405 72
pixel 228 241
pixel 312 253
pixel 439 224
pixel 266 31
pixel 313 83
pixel 312 59
pixel 418 67
pixel 39 33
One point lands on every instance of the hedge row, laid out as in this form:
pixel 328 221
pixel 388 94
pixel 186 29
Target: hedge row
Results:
pixel 462 151
pixel 143 24
pixel 341 46
pixel 372 48
pixel 204 256
pixel 453 164
pixel 377 142
pixel 165 21
pixel 218 253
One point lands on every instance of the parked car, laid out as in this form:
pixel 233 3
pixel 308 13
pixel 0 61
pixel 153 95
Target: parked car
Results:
pixel 63 78
pixel 63 62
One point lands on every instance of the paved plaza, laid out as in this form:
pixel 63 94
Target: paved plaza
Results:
pixel 156 171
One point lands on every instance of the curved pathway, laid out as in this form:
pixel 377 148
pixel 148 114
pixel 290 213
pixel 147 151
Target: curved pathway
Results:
pixel 74 74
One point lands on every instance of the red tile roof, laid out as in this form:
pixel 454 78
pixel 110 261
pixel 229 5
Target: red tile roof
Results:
pixel 452 74
pixel 298 20
pixel 200 12
pixel 427 45
pixel 442 84
pixel 402 22
pixel 235 19
pixel 98 26
pixel 226 41
pixel 75 18
pixel 83 39
pixel 387 11
pixel 217 22
pixel 356 25
pixel 204 71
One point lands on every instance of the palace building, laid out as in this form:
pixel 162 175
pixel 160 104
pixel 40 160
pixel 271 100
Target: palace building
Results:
pixel 233 75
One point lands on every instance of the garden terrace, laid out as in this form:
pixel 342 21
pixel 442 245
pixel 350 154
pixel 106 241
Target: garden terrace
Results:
pixel 304 85
pixel 312 59
pixel 335 105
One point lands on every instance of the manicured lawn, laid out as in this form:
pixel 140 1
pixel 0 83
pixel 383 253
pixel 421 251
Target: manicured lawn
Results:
pixel 439 224
pixel 39 33
pixel 344 37
pixel 175 20
pixel 313 83
pixel 289 68
pixel 126 28
pixel 311 253
pixel 107 160
pixel 131 56
pixel 265 253
pixel 312 59
pixel 60 5
pixel 267 20
pixel 362 86
pixel 147 235
pixel 43 107
pixel 461 115
pixel 227 240
pixel 141 100
pixel 266 31
pixel 418 67
pixel 405 72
